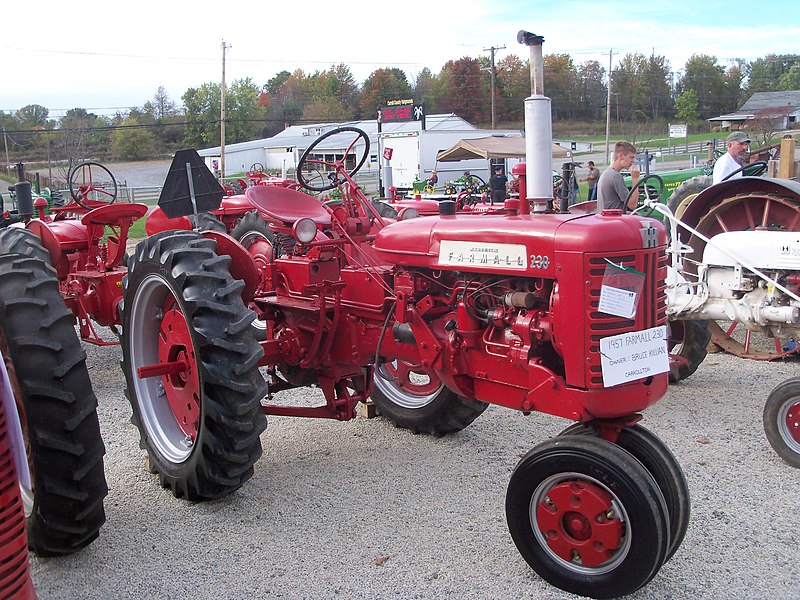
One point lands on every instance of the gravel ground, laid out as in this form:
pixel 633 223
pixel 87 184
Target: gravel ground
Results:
pixel 364 510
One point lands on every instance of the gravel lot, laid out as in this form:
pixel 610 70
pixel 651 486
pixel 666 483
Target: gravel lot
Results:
pixel 364 510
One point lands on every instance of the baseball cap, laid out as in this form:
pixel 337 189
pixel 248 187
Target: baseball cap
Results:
pixel 738 136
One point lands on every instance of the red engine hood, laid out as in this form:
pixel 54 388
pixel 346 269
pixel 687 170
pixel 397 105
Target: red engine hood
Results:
pixel 513 244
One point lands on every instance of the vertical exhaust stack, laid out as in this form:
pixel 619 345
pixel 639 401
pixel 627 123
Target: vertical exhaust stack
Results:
pixel 538 131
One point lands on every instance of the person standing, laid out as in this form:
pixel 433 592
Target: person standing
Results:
pixel 497 184
pixel 592 177
pixel 733 159
pixel 611 189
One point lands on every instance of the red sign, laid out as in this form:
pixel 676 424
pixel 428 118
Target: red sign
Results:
pixel 387 153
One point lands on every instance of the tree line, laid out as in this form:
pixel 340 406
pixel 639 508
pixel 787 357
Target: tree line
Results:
pixel 644 89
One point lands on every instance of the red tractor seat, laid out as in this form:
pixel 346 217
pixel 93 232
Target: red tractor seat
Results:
pixel 287 205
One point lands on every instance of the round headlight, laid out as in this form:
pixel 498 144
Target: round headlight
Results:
pixel 304 230
pixel 408 213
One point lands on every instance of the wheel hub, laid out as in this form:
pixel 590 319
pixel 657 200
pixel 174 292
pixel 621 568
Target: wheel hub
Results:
pixel 182 387
pixel 578 522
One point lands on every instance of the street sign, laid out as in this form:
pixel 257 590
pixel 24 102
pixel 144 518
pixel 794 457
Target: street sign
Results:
pixel 677 131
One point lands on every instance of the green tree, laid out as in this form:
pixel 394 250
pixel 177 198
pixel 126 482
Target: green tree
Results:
pixel 686 107
pixel 514 85
pixel 131 141
pixel 592 91
pixel 243 115
pixel 381 86
pixel 707 78
pixel 561 85
pixel 465 90
pixel 790 80
pixel 733 86
pixel 286 100
pixel 764 74
pixel 83 135
pixel 426 90
pixel 656 78
pixel 202 109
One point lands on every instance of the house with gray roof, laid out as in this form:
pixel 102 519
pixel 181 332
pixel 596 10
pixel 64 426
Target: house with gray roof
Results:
pixel 782 107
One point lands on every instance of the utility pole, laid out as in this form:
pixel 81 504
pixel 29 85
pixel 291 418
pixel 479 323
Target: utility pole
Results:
pixel 222 116
pixel 5 143
pixel 491 54
pixel 608 105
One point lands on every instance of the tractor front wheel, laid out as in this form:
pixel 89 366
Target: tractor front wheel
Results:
pixel 659 461
pixel 412 397
pixel 191 365
pixel 587 516
pixel 782 421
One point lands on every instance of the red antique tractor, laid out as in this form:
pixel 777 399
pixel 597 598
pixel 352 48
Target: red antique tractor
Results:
pixel 433 318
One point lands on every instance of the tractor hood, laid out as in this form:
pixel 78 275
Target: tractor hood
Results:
pixel 523 244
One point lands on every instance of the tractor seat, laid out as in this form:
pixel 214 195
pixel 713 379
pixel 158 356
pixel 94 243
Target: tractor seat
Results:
pixel 287 206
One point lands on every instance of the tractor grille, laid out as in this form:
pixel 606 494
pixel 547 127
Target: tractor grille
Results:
pixel 15 579
pixel 651 309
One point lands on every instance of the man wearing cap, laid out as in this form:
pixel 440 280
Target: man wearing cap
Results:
pixel 733 159
pixel 497 184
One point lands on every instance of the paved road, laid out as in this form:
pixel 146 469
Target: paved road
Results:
pixel 364 510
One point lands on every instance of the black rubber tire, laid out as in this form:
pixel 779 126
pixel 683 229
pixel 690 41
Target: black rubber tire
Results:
pixel 782 402
pixel 601 464
pixel 659 461
pixel 205 221
pixel 183 267
pixel 249 226
pixel 689 340
pixel 384 209
pixel 249 229
pixel 23 242
pixel 64 510
pixel 690 187
pixel 437 414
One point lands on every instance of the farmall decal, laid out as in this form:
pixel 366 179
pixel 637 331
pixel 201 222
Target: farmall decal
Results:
pixel 476 254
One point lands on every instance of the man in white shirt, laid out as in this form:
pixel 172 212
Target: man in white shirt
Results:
pixel 733 159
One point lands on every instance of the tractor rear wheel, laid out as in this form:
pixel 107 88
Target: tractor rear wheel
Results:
pixel 412 397
pixel 64 485
pixel 746 212
pixel 782 421
pixel 686 192
pixel 191 365
pixel 659 461
pixel 587 516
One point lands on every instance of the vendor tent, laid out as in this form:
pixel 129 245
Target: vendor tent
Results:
pixel 491 147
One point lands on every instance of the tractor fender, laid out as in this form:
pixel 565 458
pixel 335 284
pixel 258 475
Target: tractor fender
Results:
pixel 716 194
pixel 242 265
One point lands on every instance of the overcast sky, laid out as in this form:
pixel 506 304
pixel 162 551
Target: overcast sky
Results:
pixel 108 56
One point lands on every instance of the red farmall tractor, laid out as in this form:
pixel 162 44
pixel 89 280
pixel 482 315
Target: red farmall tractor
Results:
pixel 434 318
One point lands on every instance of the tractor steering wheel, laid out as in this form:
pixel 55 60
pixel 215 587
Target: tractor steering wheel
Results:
pixel 256 167
pixel 318 174
pixel 755 169
pixel 90 184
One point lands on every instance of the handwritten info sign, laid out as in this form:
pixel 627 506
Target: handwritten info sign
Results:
pixel 634 355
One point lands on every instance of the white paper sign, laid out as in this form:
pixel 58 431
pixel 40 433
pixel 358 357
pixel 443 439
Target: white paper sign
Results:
pixel 614 301
pixel 634 355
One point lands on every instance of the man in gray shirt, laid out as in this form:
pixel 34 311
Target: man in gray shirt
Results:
pixel 611 189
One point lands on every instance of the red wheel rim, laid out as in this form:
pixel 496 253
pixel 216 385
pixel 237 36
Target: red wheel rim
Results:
pixel 409 378
pixel 578 521
pixel 183 388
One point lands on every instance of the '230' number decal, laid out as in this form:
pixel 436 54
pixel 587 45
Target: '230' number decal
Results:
pixel 539 261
